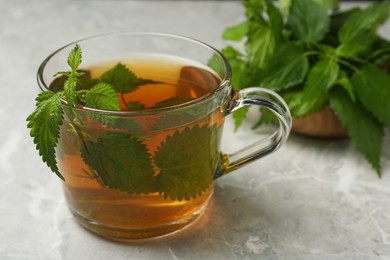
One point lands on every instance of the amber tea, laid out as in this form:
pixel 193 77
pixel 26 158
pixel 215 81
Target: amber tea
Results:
pixel 119 191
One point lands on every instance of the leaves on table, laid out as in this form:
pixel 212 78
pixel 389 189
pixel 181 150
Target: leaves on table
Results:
pixel 372 87
pixel 286 68
pixel 236 33
pixel 364 130
pixel 308 20
pixel 321 77
pixel 359 30
pixel 304 49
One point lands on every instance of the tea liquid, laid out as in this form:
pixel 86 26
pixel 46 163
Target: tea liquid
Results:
pixel 120 214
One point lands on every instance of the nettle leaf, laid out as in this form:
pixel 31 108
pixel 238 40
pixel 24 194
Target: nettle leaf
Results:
pixel 331 4
pixel 84 82
pixel 263 36
pixel 293 98
pixel 308 20
pixel 315 93
pixel 236 33
pixel 241 74
pixel 45 123
pixel 187 162
pixel 365 131
pixel 260 44
pixel 275 22
pixel 75 57
pixel 345 82
pixel 239 116
pixel 372 87
pixel 102 96
pixel 121 78
pixel 285 6
pixel 135 106
pixel 70 90
pixel 287 67
pixel 358 31
pixel 173 101
pixel 363 21
pixel 122 162
pixel 254 8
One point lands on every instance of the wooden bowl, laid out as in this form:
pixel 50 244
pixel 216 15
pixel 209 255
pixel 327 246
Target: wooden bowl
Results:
pixel 324 124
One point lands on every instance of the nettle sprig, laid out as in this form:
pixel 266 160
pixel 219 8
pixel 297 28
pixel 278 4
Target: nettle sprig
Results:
pixel 48 116
pixel 315 56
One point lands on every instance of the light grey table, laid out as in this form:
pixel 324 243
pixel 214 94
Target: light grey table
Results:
pixel 313 199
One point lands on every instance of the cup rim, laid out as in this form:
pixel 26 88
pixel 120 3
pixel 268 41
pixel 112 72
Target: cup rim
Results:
pixel 224 81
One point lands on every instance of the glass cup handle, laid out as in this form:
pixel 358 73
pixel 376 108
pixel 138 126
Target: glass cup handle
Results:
pixel 264 98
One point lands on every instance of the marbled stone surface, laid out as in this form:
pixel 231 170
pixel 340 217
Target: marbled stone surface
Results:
pixel 313 199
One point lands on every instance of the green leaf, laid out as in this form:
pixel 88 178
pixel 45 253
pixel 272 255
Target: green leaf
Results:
pixel 102 96
pixel 263 37
pixel 75 57
pixel 242 75
pixel 122 162
pixel 372 87
pixel 74 60
pixel 142 81
pixel 121 78
pixel 308 20
pixel 364 130
pixel 253 9
pixel 330 4
pixel 187 162
pixel 358 31
pixel 45 124
pixel 173 101
pixel 239 116
pixel 337 19
pixel 260 45
pixel 361 45
pixel 286 68
pixel 363 21
pixel 275 22
pixel 84 81
pixel 293 99
pixel 321 77
pixel 267 117
pixel 345 82
pixel 236 33
pixel 135 106
pixel 231 53
pixel 285 6
pixel 70 90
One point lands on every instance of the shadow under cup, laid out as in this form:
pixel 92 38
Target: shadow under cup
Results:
pixel 144 174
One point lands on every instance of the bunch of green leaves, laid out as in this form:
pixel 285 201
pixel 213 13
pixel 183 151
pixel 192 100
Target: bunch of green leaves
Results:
pixel 119 159
pixel 315 55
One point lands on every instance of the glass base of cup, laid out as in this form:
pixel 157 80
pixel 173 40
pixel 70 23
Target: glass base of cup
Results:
pixel 131 235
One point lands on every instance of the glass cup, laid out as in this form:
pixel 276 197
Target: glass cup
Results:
pixel 143 174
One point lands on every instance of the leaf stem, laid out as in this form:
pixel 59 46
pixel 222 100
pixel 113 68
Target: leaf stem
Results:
pixel 349 65
pixel 312 53
pixel 124 100
pixel 379 52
